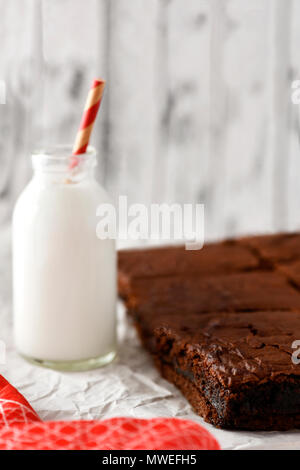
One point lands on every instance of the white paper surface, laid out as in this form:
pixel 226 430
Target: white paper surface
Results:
pixel 130 386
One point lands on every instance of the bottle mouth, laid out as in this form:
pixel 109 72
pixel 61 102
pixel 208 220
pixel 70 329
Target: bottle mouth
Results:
pixel 59 158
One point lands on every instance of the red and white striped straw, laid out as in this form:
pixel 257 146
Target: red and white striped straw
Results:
pixel 88 119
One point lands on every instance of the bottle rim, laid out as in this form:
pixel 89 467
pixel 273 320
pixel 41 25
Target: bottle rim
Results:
pixel 57 158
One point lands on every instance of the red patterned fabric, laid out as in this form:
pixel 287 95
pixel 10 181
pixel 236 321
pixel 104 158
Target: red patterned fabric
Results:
pixel 14 408
pixel 21 428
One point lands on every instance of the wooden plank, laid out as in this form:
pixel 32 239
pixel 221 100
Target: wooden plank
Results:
pixel 239 70
pixel 187 101
pixel 280 109
pixel 159 191
pixel 133 98
pixel 217 124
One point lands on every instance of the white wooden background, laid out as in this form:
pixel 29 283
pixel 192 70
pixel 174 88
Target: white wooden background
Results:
pixel 197 108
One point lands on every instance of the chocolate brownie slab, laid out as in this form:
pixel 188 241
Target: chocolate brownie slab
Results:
pixel 236 370
pixel 220 325
pixel 212 259
pixel 250 291
pixel 274 248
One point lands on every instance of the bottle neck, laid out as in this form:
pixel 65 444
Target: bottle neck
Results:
pixel 57 165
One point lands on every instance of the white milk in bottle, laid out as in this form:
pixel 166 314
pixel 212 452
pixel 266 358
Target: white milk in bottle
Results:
pixel 64 276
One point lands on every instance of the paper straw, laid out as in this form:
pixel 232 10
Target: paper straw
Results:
pixel 88 119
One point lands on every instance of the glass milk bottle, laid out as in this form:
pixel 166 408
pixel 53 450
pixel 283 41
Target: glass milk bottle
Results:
pixel 64 276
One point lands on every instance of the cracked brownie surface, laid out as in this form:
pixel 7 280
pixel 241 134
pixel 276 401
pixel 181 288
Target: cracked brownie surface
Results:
pixel 220 323
pixel 241 364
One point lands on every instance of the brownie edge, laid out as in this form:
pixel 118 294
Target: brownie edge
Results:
pixel 236 370
pixel 263 422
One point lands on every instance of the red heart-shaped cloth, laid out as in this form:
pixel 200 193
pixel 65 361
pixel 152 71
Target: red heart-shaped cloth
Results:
pixel 21 428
